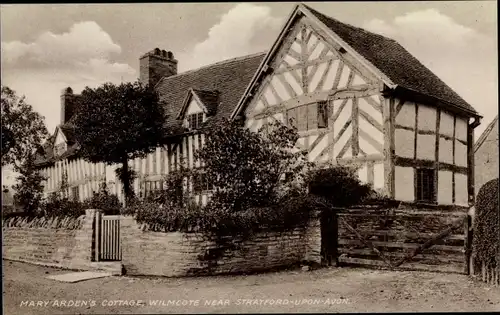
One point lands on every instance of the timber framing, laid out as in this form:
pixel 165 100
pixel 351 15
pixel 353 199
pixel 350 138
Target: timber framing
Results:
pixel 418 163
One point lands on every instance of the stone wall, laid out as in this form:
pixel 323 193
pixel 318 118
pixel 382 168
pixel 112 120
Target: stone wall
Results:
pixel 178 254
pixel 49 246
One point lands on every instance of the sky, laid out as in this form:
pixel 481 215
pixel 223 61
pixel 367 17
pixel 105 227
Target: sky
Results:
pixel 82 45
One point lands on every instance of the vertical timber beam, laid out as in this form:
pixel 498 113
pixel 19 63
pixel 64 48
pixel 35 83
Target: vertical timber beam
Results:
pixel 453 189
pixel 355 127
pixel 436 155
pixel 470 159
pixel 388 113
pixel 304 57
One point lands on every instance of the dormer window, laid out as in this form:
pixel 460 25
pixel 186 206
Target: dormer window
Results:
pixel 194 121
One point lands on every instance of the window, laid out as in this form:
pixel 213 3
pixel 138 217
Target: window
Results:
pixel 425 188
pixel 195 120
pixel 200 183
pixel 75 193
pixel 151 186
pixel 323 114
pixel 309 117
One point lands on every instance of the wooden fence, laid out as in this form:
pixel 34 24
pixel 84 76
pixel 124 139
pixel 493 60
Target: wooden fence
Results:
pixel 398 239
pixel 490 275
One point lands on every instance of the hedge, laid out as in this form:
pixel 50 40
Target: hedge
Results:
pixel 486 238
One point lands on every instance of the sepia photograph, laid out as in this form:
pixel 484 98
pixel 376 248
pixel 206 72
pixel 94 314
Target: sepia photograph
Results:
pixel 250 157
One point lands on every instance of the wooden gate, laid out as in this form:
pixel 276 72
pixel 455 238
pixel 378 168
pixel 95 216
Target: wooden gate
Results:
pixel 108 238
pixel 414 240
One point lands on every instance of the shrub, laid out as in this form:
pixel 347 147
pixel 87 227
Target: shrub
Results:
pixel 108 203
pixel 246 168
pixel 29 186
pixel 486 238
pixel 160 217
pixel 58 206
pixel 338 185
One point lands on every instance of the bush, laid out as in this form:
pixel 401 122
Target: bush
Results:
pixel 486 238
pixel 108 203
pixel 58 206
pixel 291 211
pixel 161 217
pixel 338 185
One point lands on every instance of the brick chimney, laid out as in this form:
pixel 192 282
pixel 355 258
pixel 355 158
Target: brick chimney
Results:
pixel 155 65
pixel 68 104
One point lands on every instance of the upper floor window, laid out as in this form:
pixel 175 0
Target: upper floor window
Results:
pixel 309 117
pixel 75 193
pixel 194 121
pixel 425 188
pixel 149 187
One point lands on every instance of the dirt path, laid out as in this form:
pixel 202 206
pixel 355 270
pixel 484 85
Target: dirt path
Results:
pixel 324 290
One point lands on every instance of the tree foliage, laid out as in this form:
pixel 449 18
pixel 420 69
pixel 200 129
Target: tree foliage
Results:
pixel 29 186
pixel 247 169
pixel 338 185
pixel 119 123
pixel 23 129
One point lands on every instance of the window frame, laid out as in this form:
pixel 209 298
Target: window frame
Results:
pixel 195 120
pixel 321 109
pixel 420 195
pixel 75 196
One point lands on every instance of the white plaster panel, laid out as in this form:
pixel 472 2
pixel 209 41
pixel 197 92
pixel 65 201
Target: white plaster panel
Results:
pixel 406 116
pixel 193 108
pixel 445 151
pixel 59 138
pixel 460 154
pixel 445 188
pixel 461 193
pixel 404 183
pixel 426 147
pixel 378 176
pixel 426 118
pixel 404 143
pixel 363 174
pixel 461 129
pixel 446 124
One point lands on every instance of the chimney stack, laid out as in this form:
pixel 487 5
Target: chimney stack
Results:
pixel 155 65
pixel 68 104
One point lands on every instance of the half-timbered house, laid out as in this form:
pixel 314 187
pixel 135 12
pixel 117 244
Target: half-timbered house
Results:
pixel 356 98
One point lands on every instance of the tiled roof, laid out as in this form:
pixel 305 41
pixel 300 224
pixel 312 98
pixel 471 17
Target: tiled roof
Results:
pixel 394 61
pixel 229 78
pixel 209 98
pixel 219 86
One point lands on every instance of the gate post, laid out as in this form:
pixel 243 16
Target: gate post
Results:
pixel 329 237
pixel 468 244
pixel 97 234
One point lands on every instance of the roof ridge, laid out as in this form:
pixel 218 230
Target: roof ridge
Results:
pixel 223 62
pixel 347 24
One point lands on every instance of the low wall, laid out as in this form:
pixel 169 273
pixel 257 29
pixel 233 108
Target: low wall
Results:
pixel 180 254
pixel 49 243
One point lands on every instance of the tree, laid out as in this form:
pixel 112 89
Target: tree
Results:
pixel 29 186
pixel 339 185
pixel 247 168
pixel 119 123
pixel 23 129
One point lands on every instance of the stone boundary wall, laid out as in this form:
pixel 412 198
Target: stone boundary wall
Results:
pixel 177 254
pixel 44 244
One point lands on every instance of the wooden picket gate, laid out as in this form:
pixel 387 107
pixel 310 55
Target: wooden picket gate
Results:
pixel 108 247
pixel 398 240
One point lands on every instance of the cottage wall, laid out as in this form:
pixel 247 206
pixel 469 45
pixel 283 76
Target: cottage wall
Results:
pixel 430 138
